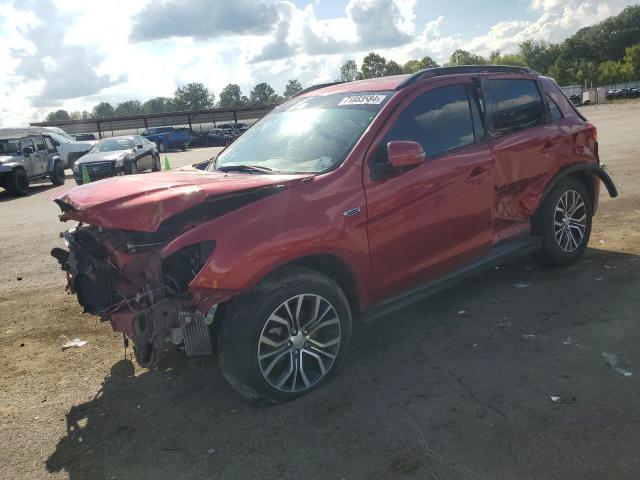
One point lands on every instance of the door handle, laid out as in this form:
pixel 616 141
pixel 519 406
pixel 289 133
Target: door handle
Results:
pixel 477 174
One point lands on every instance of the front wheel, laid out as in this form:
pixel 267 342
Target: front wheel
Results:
pixel 57 176
pixel 285 338
pixel 17 183
pixel 566 223
pixel 156 163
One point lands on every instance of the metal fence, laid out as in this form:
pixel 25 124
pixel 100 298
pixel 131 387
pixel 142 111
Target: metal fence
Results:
pixel 598 95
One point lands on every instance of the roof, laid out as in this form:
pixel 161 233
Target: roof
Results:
pixel 369 85
pixel 397 82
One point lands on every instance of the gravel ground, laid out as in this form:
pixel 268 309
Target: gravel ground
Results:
pixel 453 388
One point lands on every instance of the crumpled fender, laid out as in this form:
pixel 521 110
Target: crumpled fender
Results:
pixel 591 168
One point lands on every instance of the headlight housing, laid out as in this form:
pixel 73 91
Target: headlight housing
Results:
pixel 120 160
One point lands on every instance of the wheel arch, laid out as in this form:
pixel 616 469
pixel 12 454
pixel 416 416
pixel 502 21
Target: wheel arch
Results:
pixel 331 266
pixel 587 174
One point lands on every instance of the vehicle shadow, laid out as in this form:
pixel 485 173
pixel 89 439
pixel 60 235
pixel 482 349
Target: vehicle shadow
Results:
pixel 454 387
pixel 34 189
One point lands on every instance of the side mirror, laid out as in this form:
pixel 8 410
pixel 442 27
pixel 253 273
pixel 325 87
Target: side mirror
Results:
pixel 26 151
pixel 403 154
pixel 139 146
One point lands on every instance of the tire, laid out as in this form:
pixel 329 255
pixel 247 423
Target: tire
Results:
pixel 17 183
pixel 156 164
pixel 558 247
pixel 183 147
pixel 57 177
pixel 162 147
pixel 132 168
pixel 248 324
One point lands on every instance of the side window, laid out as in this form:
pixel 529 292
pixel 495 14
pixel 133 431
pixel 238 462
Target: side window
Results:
pixel 439 120
pixel 556 113
pixel 517 105
pixel 27 142
pixel 50 146
pixel 39 142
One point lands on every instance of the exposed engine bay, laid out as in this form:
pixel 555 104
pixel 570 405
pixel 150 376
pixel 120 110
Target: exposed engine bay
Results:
pixel 143 295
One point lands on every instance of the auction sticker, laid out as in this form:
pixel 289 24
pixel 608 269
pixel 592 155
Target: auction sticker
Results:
pixel 363 100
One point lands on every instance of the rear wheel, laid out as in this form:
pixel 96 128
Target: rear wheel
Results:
pixel 162 147
pixel 566 223
pixel 17 183
pixel 57 176
pixel 183 147
pixel 285 338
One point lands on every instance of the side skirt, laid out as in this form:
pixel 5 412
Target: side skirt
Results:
pixel 499 254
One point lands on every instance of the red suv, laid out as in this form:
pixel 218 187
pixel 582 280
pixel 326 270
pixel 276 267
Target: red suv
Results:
pixel 349 201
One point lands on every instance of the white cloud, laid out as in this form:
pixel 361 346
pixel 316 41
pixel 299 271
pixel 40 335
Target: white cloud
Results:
pixel 85 53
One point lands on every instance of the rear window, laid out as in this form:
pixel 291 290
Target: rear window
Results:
pixel 516 105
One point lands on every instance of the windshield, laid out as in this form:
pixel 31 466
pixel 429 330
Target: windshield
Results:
pixel 59 138
pixel 9 146
pixel 112 145
pixel 305 135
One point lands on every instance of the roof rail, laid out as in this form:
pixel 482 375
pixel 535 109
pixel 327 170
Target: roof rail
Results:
pixel 315 87
pixel 462 69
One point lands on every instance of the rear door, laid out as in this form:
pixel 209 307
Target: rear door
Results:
pixel 426 221
pixel 524 147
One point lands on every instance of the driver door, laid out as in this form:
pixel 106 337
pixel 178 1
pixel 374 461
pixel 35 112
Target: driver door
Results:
pixel 428 220
pixel 30 161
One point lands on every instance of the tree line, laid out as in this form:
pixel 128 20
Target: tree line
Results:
pixel 193 96
pixel 602 54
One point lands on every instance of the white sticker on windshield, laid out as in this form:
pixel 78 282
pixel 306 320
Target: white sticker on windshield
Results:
pixel 363 100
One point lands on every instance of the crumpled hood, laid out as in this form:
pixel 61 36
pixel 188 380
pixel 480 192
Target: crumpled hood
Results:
pixel 142 202
pixel 101 156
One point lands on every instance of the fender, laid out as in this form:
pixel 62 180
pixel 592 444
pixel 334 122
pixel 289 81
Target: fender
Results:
pixel 593 169
pixel 52 161
pixel 10 167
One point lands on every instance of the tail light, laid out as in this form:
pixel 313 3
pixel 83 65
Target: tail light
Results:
pixel 592 128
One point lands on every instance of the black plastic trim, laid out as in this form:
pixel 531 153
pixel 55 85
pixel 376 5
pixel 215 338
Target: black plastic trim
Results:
pixel 584 167
pixel 499 254
pixel 461 70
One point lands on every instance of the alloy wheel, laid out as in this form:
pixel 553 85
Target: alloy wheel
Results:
pixel 299 343
pixel 570 223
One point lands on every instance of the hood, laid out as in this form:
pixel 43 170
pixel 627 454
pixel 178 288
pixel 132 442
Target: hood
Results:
pixel 101 156
pixel 8 158
pixel 80 146
pixel 142 202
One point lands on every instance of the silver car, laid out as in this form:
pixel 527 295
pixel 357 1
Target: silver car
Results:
pixel 117 156
pixel 27 157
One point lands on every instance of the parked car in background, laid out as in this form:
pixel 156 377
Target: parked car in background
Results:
pixel 239 127
pixel 167 138
pixel 353 199
pixel 25 158
pixel 576 100
pixel 218 137
pixel 117 156
pixel 70 150
pixel 85 136
pixel 198 139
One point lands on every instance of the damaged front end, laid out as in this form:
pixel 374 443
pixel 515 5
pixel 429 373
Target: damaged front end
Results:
pixel 122 277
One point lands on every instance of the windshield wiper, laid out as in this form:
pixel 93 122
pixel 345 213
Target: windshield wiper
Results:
pixel 244 168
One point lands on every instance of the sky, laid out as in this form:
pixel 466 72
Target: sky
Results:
pixel 74 54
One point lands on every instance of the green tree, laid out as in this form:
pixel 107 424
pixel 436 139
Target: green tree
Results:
pixel 373 66
pixel 103 109
pixel 263 94
pixel 632 61
pixel 413 66
pixel 462 57
pixel 392 68
pixel 612 72
pixel 293 87
pixel 193 96
pixel 130 107
pixel 230 96
pixel 512 59
pixel 348 71
pixel 58 115
pixel 157 105
pixel 538 54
